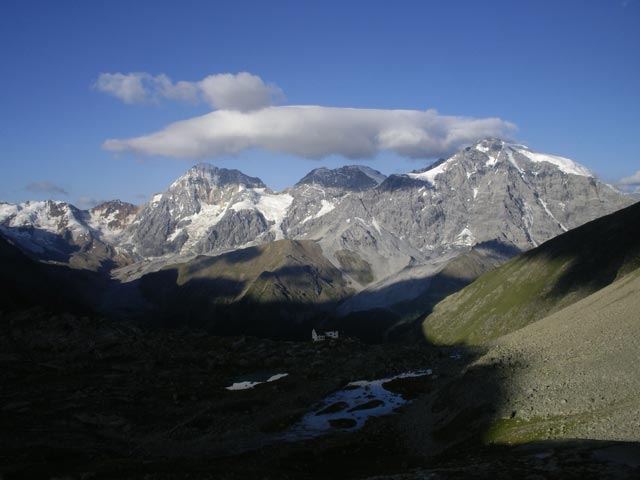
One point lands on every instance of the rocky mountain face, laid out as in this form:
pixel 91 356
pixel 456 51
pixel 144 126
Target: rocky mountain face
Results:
pixel 59 232
pixel 388 236
pixel 109 219
pixel 490 191
pixel 207 209
pixel 406 230
pixel 321 190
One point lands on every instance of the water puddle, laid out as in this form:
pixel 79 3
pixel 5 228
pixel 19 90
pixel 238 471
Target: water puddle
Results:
pixel 249 381
pixel 349 409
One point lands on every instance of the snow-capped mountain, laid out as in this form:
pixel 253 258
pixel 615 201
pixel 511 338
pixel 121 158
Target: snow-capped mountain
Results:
pixel 109 219
pixel 207 209
pixel 58 231
pixel 490 191
pixel 371 226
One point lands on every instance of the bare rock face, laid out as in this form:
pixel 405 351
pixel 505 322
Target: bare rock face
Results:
pixel 490 191
pixel 321 191
pixel 236 228
pixel 354 178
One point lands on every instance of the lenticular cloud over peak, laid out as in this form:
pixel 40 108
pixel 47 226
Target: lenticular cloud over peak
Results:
pixel 315 132
pixel 245 117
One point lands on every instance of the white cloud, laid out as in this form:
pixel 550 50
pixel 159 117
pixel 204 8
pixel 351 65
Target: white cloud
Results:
pixel 630 184
pixel 315 132
pixel 129 88
pixel 242 91
pixel 181 91
pixel 633 180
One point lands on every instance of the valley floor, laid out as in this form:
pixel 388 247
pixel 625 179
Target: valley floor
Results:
pixel 88 398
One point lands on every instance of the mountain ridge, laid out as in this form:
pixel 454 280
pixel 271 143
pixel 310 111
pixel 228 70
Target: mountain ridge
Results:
pixel 376 230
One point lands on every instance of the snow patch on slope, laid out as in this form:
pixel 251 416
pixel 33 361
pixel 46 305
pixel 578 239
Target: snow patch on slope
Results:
pixel 465 238
pixel 431 174
pixel 200 223
pixel 273 206
pixel 513 161
pixel 247 384
pixel 326 207
pixel 103 224
pixel 566 165
pixel 546 209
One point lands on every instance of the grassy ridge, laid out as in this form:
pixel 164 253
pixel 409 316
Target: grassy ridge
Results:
pixel 540 282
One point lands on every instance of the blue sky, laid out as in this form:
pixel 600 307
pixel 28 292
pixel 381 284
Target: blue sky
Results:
pixel 566 73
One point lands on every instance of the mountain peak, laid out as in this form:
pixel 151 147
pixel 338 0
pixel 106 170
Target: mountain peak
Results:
pixel 205 173
pixel 112 205
pixel 488 144
pixel 520 155
pixel 494 153
pixel 349 177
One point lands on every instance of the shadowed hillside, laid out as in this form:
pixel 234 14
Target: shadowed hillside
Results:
pixel 279 290
pixel 540 282
pixel 26 283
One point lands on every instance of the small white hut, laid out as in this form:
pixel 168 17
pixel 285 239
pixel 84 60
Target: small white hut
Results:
pixel 319 338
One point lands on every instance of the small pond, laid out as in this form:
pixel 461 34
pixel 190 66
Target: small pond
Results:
pixel 350 408
pixel 245 382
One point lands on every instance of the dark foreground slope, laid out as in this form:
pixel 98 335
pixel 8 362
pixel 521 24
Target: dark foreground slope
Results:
pixel 26 283
pixel 540 282
pixel 280 290
pixel 83 397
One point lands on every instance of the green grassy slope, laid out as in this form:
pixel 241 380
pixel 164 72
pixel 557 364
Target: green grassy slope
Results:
pixel 539 282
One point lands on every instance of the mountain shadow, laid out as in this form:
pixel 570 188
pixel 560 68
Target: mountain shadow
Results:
pixel 59 248
pixel 401 320
pixel 278 290
pixel 87 252
pixel 26 283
